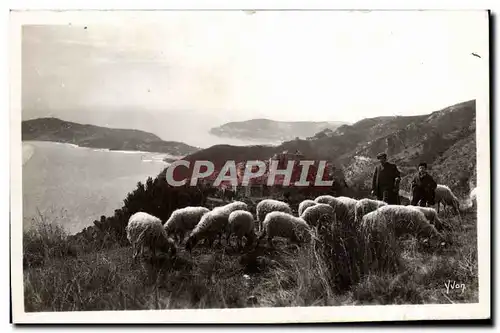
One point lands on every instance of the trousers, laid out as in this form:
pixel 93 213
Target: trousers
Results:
pixel 389 196
pixel 422 198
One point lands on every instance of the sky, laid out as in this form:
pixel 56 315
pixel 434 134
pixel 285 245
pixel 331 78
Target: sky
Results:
pixel 281 65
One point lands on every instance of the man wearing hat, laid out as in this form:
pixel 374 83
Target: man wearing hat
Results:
pixel 423 187
pixel 385 183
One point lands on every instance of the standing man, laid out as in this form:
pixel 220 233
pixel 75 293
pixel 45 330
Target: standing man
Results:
pixel 385 183
pixel 423 187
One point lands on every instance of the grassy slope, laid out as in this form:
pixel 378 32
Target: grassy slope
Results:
pixel 109 280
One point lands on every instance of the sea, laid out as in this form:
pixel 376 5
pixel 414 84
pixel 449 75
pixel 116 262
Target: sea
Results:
pixel 73 186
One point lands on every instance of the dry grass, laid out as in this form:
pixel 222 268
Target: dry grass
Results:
pixel 335 269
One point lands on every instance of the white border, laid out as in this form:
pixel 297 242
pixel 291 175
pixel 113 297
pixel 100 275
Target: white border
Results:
pixel 253 315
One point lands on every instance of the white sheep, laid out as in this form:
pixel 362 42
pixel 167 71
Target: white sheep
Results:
pixel 431 215
pixel 184 220
pixel 403 220
pixel 270 205
pixel 365 206
pixel 232 206
pixel 304 205
pixel 473 197
pixel 212 224
pixel 313 214
pixel 281 224
pixel 340 208
pixel 145 230
pixel 327 199
pixel 445 196
pixel 241 223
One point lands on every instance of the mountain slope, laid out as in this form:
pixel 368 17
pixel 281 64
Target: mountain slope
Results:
pixel 445 139
pixel 57 130
pixel 259 129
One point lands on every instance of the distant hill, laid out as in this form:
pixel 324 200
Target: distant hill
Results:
pixel 445 139
pixel 272 130
pixel 57 130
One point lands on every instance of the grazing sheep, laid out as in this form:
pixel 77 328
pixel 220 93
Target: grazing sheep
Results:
pixel 313 214
pixel 235 205
pixel 432 216
pixel 270 205
pixel 145 230
pixel 404 220
pixel 341 210
pixel 213 223
pixel 184 220
pixel 241 223
pixel 304 205
pixel 326 199
pixel 350 203
pixel 365 206
pixel 445 196
pixel 281 224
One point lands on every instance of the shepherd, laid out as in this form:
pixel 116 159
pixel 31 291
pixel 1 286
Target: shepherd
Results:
pixel 423 187
pixel 385 182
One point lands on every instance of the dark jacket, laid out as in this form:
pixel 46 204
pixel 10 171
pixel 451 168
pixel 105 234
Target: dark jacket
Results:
pixel 423 183
pixel 384 177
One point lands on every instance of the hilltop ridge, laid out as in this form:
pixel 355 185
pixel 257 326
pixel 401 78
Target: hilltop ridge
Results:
pixel 92 136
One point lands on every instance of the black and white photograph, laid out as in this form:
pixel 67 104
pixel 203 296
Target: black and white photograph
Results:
pixel 249 166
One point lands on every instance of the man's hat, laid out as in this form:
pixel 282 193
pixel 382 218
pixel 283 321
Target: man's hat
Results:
pixel 380 155
pixel 422 164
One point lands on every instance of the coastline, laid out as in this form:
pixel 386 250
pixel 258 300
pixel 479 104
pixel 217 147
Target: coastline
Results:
pixel 28 151
pixel 26 143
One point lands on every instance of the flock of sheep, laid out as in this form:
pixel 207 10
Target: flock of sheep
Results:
pixel 276 219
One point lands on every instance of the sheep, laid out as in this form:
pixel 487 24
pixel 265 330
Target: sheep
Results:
pixel 350 203
pixel 184 220
pixel 213 223
pixel 241 223
pixel 473 197
pixel 328 199
pixel 404 220
pixel 304 205
pixel 145 230
pixel 235 205
pixel 341 210
pixel 365 206
pixel 313 214
pixel 445 196
pixel 281 224
pixel 270 205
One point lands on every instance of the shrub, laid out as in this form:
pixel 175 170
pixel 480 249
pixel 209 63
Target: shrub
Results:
pixel 44 240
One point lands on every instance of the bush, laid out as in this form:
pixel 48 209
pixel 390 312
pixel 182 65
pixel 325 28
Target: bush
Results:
pixel 43 241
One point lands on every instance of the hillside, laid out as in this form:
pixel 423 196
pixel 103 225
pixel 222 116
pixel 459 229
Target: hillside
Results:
pixel 57 130
pixel 343 265
pixel 259 129
pixel 444 139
